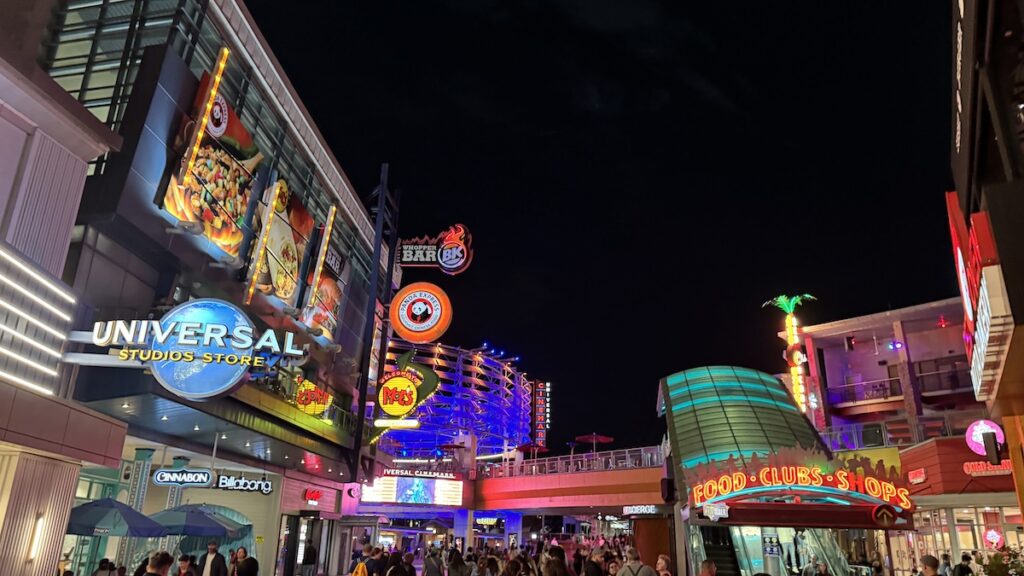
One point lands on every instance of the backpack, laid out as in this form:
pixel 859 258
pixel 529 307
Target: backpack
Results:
pixel 360 570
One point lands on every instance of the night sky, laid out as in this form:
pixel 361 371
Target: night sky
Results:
pixel 640 176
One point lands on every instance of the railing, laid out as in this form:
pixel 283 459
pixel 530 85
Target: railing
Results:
pixel 898 431
pixel 647 457
pixel 861 391
pixel 945 381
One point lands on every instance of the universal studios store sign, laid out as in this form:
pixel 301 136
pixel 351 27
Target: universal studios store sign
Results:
pixel 199 350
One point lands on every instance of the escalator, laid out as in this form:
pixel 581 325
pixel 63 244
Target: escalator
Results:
pixel 823 542
pixel 719 547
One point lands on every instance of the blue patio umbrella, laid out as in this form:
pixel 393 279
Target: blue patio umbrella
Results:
pixel 196 520
pixel 108 517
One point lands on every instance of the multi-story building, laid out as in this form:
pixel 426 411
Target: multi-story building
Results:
pixel 901 380
pixel 986 210
pixel 223 210
pixel 47 140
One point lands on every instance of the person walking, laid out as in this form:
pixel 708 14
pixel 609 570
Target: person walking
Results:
pixel 964 567
pixel 185 567
pixel 246 565
pixel 661 566
pixel 708 568
pixel 394 566
pixel 212 563
pixel 309 559
pixel 634 567
pixel 930 565
pixel 457 566
pixel 594 565
pixel 432 564
pixel 407 563
pixel 103 569
pixel 159 564
pixel 945 568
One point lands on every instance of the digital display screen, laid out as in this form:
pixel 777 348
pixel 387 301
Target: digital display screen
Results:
pixel 409 490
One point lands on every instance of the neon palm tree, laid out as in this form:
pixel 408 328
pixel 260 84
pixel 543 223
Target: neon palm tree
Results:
pixel 794 351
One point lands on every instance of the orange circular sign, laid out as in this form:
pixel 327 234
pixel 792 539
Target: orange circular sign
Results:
pixel 420 313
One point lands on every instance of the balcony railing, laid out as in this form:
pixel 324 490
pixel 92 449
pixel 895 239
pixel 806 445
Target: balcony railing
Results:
pixel 647 457
pixel 898 431
pixel 884 389
pixel 945 381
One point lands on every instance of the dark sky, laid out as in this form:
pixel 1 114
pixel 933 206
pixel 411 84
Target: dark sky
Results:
pixel 640 176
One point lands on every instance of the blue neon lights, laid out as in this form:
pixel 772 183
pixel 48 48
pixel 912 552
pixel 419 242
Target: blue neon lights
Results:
pixel 738 399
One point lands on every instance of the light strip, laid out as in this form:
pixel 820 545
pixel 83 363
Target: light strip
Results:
pixel 31 342
pixel 28 294
pixel 32 319
pixel 37 537
pixel 496 456
pixel 222 62
pixel 268 220
pixel 38 277
pixel 25 383
pixel 28 361
pixel 324 246
pixel 386 423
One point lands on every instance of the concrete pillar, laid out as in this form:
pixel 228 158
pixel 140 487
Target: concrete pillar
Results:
pixel 463 527
pixel 36 496
pixel 513 530
pixel 174 495
pixel 137 486
pixel 908 381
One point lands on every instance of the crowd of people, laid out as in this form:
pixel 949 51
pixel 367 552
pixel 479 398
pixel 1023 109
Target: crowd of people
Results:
pixel 160 563
pixel 608 558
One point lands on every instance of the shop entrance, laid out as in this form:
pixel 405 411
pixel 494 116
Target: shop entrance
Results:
pixel 301 545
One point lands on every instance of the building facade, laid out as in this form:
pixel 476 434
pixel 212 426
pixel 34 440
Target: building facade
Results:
pixel 220 197
pixel 897 385
pixel 47 140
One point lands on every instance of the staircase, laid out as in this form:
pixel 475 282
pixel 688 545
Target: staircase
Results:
pixel 718 547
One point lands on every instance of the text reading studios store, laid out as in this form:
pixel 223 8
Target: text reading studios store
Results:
pixel 226 260
pixel 764 495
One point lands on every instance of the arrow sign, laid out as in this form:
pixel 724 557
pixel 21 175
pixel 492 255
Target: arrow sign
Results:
pixel 884 515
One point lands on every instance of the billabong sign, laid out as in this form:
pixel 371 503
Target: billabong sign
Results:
pixel 199 350
pixel 451 251
pixel 183 477
pixel 244 484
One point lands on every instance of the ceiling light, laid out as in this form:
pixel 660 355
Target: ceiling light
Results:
pixel 163 418
pixel 223 436
pixel 285 456
pixel 196 428
pixel 247 444
pixel 329 470
pixel 125 405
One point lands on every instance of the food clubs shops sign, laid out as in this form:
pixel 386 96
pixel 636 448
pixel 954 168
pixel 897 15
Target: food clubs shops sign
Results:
pixel 731 486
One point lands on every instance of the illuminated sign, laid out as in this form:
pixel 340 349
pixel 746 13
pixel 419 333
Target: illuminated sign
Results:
pixel 988 321
pixel 917 476
pixel 311 399
pixel 994 538
pixel 541 412
pixel 451 251
pixel 312 496
pixel 640 509
pixel 199 350
pixel 422 473
pixel 401 391
pixel 420 313
pixel 975 435
pixel 795 356
pixel 243 484
pixel 772 478
pixel 486 521
pixel 983 468
pixel 183 477
pixel 411 490
pixel 716 511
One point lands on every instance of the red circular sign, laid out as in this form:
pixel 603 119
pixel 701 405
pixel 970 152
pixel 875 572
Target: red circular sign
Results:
pixel 420 313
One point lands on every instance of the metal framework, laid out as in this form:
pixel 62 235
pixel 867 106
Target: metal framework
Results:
pixel 479 394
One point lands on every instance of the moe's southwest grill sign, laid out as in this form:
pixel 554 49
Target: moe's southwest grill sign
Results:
pixel 401 391
pixel 199 350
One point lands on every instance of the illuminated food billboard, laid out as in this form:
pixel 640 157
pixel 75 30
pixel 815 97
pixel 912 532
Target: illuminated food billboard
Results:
pixel 323 303
pixel 277 272
pixel 216 191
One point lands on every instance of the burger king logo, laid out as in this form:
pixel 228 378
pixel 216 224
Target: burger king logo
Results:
pixel 420 313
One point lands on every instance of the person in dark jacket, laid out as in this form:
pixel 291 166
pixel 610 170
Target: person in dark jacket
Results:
pixel 212 563
pixel 594 566
pixel 247 565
